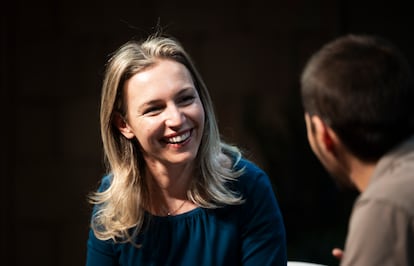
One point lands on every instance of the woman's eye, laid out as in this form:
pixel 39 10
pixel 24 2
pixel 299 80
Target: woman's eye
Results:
pixel 152 109
pixel 187 99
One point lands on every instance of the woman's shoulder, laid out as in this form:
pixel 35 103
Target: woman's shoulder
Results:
pixel 249 167
pixel 105 182
pixel 252 175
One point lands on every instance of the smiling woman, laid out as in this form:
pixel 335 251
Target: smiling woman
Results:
pixel 174 192
pixel 165 115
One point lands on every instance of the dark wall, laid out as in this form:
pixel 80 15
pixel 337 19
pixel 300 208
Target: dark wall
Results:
pixel 250 55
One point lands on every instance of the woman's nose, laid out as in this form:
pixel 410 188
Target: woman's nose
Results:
pixel 174 116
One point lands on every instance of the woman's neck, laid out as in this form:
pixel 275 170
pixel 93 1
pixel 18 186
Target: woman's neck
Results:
pixel 168 186
pixel 169 179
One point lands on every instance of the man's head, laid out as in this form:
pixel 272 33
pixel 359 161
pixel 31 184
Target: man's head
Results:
pixel 362 88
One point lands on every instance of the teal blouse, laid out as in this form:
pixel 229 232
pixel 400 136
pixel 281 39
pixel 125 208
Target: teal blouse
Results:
pixel 249 234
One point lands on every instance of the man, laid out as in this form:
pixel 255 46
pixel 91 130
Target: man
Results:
pixel 358 98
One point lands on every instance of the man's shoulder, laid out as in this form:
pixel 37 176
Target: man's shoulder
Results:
pixel 395 187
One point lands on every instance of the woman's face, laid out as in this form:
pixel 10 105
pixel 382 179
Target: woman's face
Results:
pixel 164 113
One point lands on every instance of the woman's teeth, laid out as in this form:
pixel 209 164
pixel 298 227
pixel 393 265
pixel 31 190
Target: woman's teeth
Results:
pixel 180 138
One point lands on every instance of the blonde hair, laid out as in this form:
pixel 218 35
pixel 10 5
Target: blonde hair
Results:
pixel 120 207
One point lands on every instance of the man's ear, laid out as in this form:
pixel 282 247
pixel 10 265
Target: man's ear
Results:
pixel 324 134
pixel 123 126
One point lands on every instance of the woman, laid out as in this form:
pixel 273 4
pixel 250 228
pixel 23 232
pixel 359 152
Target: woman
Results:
pixel 175 193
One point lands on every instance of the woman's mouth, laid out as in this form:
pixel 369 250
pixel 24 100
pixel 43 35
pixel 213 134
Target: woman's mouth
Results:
pixel 179 138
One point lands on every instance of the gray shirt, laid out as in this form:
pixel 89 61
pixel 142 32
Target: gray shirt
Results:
pixel 381 229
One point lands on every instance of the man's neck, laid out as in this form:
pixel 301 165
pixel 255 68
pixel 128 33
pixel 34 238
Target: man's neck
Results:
pixel 361 173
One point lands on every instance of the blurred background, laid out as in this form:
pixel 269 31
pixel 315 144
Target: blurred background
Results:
pixel 250 53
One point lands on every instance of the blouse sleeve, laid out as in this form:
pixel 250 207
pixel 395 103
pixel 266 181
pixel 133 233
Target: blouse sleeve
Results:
pixel 100 252
pixel 263 231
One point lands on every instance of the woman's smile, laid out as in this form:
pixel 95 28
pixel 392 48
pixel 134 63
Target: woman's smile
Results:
pixel 165 113
pixel 181 138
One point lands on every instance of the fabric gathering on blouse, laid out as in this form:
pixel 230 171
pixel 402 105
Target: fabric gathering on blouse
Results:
pixel 252 233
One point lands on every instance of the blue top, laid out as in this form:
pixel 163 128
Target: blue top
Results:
pixel 252 233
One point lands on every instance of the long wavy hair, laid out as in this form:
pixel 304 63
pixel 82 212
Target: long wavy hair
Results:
pixel 121 207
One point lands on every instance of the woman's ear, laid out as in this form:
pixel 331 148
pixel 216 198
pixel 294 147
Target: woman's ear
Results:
pixel 123 126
